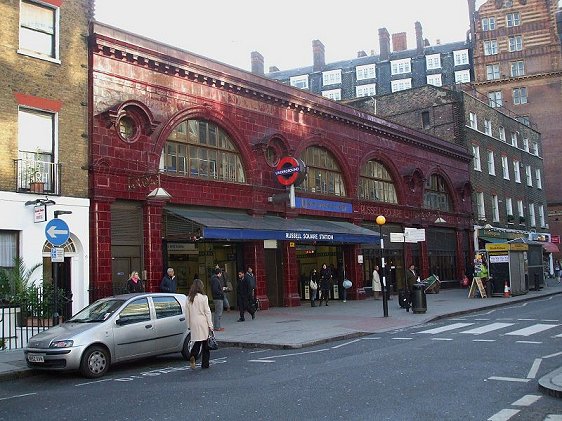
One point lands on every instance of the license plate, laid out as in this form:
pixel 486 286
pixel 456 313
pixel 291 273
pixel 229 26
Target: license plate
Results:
pixel 35 358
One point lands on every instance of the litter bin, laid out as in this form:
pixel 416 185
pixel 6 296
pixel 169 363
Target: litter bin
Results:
pixel 419 301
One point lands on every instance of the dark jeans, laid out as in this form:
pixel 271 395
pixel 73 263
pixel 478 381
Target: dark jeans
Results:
pixel 205 352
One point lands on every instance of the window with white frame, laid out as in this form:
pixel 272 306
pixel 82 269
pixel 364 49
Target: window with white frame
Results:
pixel 473 121
pixel 509 207
pixel 334 94
pixel 505 168
pixel 519 96
pixel 520 210
pixel 532 218
pixel 461 57
pixel 517 171
pixel 331 77
pixel 535 149
pixel 367 71
pixel 513 19
pixel 8 248
pixel 476 158
pixel 480 209
pixel 515 43
pixel 495 99
pixel 514 139
pixel 495 208
pixel 490 47
pixel 542 222
pixel 502 133
pixel 488 24
pixel 400 84
pixel 399 67
pixel 462 76
pixel 366 90
pixel 517 68
pixel 300 82
pixel 492 71
pixel 39 30
pixel 433 61
pixel 526 145
pixel 491 164
pixel 529 175
pixel 434 80
pixel 538 178
pixel 488 127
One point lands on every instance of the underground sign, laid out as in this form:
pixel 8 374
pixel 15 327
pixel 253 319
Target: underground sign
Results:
pixel 290 170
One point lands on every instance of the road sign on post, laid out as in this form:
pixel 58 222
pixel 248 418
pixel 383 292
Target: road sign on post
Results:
pixel 57 232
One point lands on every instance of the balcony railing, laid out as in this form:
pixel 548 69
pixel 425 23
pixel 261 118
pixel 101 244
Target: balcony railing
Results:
pixel 37 177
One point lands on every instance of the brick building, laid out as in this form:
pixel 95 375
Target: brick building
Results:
pixel 182 170
pixel 44 137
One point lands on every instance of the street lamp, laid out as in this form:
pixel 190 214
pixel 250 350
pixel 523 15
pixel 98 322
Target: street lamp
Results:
pixel 381 220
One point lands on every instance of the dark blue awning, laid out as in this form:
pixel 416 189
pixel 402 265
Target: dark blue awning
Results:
pixel 231 225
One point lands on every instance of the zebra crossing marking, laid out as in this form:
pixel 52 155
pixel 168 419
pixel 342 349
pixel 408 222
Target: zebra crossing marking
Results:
pixel 446 328
pixel 527 331
pixel 487 328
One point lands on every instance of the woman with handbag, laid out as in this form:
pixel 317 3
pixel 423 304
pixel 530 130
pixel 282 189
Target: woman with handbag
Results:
pixel 200 323
pixel 313 287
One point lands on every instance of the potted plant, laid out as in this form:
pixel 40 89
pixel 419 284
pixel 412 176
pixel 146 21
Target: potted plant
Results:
pixel 34 170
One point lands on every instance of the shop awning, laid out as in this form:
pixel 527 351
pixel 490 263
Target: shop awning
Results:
pixel 493 239
pixel 231 225
pixel 551 248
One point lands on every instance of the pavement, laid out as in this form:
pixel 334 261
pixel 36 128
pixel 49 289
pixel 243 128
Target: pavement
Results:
pixel 303 326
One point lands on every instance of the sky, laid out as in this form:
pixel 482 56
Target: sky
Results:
pixel 282 32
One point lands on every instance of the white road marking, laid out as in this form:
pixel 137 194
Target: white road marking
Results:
pixel 441 339
pixel 261 361
pixel 526 400
pixel 503 415
pixel 446 328
pixel 94 382
pixel 371 338
pixel 483 340
pixel 487 328
pixel 259 351
pixel 558 336
pixel 527 320
pixel 527 331
pixel 553 417
pixel 17 396
pixel 534 368
pixel 273 357
pixel 347 343
pixel 528 342
pixel 556 354
pixel 550 321
pixel 402 339
pixel 509 379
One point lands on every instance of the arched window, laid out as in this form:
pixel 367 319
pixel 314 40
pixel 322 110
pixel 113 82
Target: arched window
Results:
pixel 376 184
pixel 436 195
pixel 324 174
pixel 197 148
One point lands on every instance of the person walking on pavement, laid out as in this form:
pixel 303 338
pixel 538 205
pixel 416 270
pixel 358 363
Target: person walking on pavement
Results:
pixel 314 280
pixel 325 283
pixel 251 279
pixel 217 290
pixel 134 284
pixel 227 287
pixel 199 323
pixel 376 283
pixel 411 279
pixel 169 282
pixel 244 291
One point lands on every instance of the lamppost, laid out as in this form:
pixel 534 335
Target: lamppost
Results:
pixel 381 220
pixel 56 268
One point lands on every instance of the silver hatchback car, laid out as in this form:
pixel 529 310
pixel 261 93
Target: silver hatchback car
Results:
pixel 112 330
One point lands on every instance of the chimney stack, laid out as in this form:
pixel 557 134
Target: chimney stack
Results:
pixel 318 55
pixel 472 17
pixel 257 63
pixel 361 54
pixel 273 69
pixel 419 38
pixel 384 44
pixel 399 42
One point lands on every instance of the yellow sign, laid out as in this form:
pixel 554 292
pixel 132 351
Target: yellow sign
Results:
pixel 519 246
pixel 497 247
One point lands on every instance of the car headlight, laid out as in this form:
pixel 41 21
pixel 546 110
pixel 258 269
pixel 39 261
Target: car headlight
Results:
pixel 62 344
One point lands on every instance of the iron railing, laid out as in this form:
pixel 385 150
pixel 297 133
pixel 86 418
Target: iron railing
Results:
pixel 37 176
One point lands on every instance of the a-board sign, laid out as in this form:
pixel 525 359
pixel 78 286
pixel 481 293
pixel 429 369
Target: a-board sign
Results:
pixel 477 284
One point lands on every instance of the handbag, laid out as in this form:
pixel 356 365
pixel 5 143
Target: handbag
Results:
pixel 347 284
pixel 212 341
pixel 313 285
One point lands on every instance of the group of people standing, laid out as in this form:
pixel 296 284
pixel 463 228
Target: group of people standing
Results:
pixel 320 285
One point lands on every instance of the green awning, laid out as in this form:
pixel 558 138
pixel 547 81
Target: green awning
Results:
pixel 493 239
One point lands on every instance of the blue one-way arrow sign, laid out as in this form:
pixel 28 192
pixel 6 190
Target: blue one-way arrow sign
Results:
pixel 57 232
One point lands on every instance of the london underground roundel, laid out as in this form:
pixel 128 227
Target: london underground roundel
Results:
pixel 290 170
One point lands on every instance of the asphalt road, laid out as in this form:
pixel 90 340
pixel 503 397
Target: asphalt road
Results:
pixel 476 367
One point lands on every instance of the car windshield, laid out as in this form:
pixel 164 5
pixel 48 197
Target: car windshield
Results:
pixel 98 311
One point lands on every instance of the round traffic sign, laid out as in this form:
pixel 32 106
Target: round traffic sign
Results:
pixel 57 232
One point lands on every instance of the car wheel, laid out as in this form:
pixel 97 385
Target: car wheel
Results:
pixel 95 362
pixel 185 348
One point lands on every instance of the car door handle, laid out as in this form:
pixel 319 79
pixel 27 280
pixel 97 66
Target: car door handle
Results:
pixel 182 319
pixel 148 326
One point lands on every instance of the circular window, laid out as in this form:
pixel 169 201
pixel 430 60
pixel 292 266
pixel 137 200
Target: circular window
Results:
pixel 271 156
pixel 127 128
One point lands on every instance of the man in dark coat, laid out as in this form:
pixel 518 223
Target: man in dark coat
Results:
pixel 217 290
pixel 244 292
pixel 325 283
pixel 169 282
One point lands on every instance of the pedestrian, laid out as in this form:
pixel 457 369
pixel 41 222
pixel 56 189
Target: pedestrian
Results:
pixel 557 270
pixel 376 283
pixel 200 323
pixel 251 278
pixel 217 290
pixel 411 277
pixel 244 290
pixel 169 282
pixel 227 287
pixel 325 284
pixel 313 284
pixel 134 284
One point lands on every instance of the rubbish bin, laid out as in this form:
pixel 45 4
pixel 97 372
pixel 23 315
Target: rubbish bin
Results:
pixel 419 301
